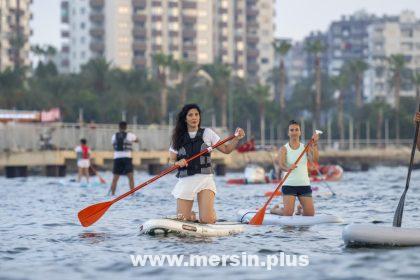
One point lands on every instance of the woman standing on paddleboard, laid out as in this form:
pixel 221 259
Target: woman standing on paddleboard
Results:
pixel 298 183
pixel 196 178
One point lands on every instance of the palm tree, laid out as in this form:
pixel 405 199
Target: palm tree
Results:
pixel 261 93
pixel 188 71
pixel 96 72
pixel 316 48
pixel 340 83
pixel 357 69
pixel 282 49
pixel 397 65
pixel 220 75
pixel 416 81
pixel 162 62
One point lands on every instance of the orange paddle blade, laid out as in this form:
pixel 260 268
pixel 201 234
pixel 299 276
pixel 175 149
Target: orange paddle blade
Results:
pixel 258 217
pixel 102 180
pixel 91 214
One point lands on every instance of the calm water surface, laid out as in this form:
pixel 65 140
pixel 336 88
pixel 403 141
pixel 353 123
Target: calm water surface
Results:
pixel 40 237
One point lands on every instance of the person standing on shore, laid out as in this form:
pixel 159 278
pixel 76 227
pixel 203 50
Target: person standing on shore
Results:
pixel 122 142
pixel 83 160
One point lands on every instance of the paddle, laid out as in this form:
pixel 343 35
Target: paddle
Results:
pixel 91 214
pixel 102 180
pixel 322 179
pixel 400 208
pixel 259 216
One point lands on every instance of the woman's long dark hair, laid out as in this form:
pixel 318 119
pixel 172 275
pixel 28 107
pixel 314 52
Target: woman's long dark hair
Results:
pixel 181 125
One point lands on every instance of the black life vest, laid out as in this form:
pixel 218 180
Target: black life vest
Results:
pixel 190 147
pixel 121 143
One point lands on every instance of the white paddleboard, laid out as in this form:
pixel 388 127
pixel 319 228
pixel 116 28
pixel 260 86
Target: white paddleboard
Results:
pixel 170 225
pixel 375 235
pixel 244 216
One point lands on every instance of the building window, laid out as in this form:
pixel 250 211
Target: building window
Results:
pixel 264 60
pixel 82 40
pixel 82 25
pixel 82 11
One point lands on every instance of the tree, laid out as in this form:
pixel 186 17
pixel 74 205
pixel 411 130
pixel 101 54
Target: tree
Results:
pixel 357 68
pixel 282 49
pixel 397 65
pixel 340 83
pixel 316 48
pixel 261 93
pixel 188 71
pixel 95 73
pixel 416 81
pixel 219 74
pixel 162 63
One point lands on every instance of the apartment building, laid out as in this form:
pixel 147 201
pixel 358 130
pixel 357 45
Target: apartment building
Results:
pixel 15 31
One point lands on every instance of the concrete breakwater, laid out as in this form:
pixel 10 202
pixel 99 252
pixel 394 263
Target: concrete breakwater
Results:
pixel 57 163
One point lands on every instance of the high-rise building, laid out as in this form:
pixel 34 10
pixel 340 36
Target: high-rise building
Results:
pixel 347 39
pixel 15 16
pixel 128 32
pixel 399 35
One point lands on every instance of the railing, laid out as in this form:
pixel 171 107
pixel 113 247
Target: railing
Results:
pixel 347 144
pixel 66 136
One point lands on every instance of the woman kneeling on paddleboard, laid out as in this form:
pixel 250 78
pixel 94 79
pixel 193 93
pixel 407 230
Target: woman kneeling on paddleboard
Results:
pixel 298 183
pixel 196 178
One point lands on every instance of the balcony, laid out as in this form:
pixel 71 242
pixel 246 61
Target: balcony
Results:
pixel 139 32
pixel 189 47
pixel 252 53
pixel 65 34
pixel 252 67
pixel 141 4
pixel 173 33
pixel 189 33
pixel 139 18
pixel 173 47
pixel 189 5
pixel 156 18
pixel 156 48
pixel 97 46
pixel 252 12
pixel 140 61
pixel 97 3
pixel 252 39
pixel 97 32
pixel 97 18
pixel 139 45
pixel 189 19
pixel 156 33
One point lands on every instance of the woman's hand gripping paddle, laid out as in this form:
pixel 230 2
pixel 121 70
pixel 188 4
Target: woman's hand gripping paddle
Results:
pixel 259 216
pixel 93 213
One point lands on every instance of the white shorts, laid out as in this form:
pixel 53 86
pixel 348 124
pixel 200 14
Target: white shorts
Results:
pixel 83 163
pixel 188 187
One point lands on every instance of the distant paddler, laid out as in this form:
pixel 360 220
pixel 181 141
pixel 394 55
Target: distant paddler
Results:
pixel 297 185
pixel 417 120
pixel 196 178
pixel 122 141
pixel 83 160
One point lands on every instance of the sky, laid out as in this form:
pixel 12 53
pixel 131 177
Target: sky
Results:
pixel 294 18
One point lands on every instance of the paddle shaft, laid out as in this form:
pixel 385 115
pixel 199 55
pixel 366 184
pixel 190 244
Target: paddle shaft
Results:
pixel 400 208
pixel 323 180
pixel 287 174
pixel 172 168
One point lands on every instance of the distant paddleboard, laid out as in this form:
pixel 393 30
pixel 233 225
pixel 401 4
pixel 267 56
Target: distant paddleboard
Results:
pixel 244 216
pixel 375 235
pixel 170 225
